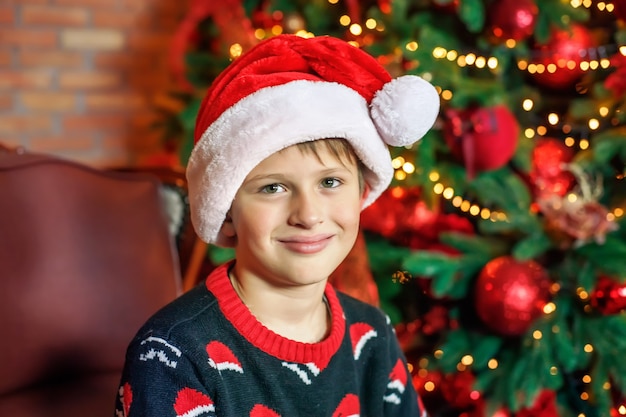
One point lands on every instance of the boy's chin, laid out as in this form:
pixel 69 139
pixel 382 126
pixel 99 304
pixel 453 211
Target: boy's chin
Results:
pixel 311 272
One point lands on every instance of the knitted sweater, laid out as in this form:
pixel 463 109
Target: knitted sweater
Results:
pixel 206 355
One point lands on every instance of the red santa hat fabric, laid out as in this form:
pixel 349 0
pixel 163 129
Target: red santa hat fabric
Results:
pixel 288 90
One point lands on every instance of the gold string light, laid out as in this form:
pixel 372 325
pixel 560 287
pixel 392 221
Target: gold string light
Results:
pixel 553 119
pixel 524 64
pixel 588 4
pixel 585 65
pixel 404 169
pixel 465 60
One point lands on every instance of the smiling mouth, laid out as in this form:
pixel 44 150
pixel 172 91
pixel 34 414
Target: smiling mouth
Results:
pixel 307 245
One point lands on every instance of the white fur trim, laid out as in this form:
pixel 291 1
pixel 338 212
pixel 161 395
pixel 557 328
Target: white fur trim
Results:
pixel 267 121
pixel 405 109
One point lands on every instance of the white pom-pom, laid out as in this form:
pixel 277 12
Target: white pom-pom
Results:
pixel 405 109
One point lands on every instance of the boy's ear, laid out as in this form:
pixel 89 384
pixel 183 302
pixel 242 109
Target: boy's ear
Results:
pixel 366 192
pixel 228 228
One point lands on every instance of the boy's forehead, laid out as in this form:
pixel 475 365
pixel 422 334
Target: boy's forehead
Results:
pixel 295 162
pixel 325 150
pixel 338 149
pixel 322 153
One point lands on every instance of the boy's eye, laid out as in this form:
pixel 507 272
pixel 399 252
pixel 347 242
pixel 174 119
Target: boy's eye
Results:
pixel 272 188
pixel 330 182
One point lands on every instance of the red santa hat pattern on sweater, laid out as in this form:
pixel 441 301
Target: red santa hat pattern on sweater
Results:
pixel 398 378
pixel 260 410
pixel 192 403
pixel 360 333
pixel 348 407
pixel 222 358
pixel 126 398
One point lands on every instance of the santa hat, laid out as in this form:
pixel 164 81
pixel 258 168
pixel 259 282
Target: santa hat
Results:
pixel 288 90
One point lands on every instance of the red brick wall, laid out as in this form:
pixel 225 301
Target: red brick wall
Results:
pixel 79 78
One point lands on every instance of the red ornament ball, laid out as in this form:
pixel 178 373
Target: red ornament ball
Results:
pixel 458 391
pixel 609 296
pixel 426 382
pixel 511 294
pixel 513 19
pixel 548 174
pixel 483 138
pixel 384 6
pixel 561 57
pixel 401 215
pixel 398 210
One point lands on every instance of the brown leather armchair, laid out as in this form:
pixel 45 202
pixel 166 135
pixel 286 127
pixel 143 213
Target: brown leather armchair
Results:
pixel 86 256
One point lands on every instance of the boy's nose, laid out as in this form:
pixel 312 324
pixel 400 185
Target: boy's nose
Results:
pixel 306 210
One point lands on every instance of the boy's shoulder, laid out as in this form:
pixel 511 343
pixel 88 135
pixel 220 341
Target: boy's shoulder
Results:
pixel 183 311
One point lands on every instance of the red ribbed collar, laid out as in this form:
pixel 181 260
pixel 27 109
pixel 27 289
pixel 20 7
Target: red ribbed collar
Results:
pixel 265 339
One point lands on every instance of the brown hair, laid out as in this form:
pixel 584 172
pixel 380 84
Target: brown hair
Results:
pixel 340 149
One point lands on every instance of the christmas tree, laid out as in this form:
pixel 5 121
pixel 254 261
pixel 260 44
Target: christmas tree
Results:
pixel 500 249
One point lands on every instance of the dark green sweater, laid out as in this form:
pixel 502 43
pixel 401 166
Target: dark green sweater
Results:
pixel 206 355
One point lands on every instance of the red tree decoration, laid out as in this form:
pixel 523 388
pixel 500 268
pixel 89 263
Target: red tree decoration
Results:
pixel 566 49
pixel 513 19
pixel 401 215
pixel 616 81
pixel 511 294
pixel 457 389
pixel 483 138
pixel 609 296
pixel 548 174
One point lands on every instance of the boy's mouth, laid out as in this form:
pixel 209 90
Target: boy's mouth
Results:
pixel 307 244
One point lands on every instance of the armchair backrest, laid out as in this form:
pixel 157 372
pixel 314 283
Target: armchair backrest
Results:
pixel 85 258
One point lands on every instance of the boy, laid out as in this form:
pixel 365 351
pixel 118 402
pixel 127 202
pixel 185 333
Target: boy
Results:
pixel 291 143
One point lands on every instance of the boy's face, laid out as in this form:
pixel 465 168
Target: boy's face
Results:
pixel 295 217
